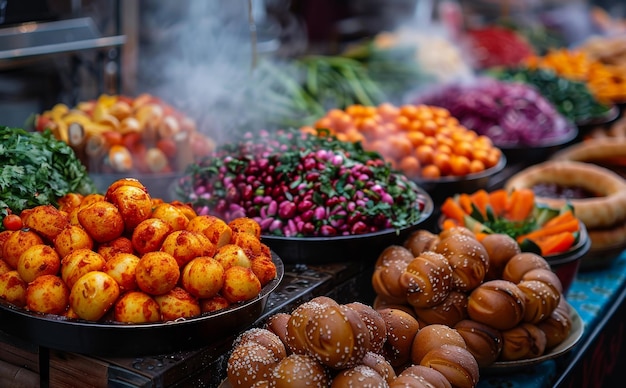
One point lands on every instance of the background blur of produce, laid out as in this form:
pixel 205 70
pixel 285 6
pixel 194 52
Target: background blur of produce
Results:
pixel 208 70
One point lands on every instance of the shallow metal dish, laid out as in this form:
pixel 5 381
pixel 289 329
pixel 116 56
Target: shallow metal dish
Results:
pixel 363 247
pixel 118 339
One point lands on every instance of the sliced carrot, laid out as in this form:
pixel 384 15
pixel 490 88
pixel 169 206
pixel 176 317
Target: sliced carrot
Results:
pixel 567 226
pixel 499 199
pixel 466 202
pixel 480 199
pixel 451 209
pixel 563 217
pixel 556 243
pixel 521 203
pixel 449 223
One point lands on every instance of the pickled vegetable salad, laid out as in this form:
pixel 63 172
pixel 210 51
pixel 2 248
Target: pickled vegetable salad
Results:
pixel 297 184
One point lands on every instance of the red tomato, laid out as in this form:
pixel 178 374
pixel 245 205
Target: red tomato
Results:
pixel 12 222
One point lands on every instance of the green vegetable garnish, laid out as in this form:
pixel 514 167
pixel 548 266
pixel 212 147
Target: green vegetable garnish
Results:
pixel 36 169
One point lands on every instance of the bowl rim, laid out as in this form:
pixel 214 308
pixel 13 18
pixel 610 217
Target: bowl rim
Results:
pixel 570 135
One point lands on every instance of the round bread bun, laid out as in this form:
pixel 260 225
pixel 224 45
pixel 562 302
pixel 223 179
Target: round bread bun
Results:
pixel 545 275
pixel 541 300
pixel 605 210
pixel 248 363
pixel 468 259
pixel 265 338
pixel 557 327
pixel 358 376
pixel 401 330
pixel 483 341
pixel 521 263
pixel 378 362
pixel 296 326
pixel 420 241
pixel 298 370
pixel 277 324
pixel 374 323
pixel 431 337
pixel 497 303
pixel 385 280
pixel 448 312
pixel 427 279
pixel 381 303
pixel 500 248
pixel 421 376
pixel 522 342
pixel 394 252
pixel 454 362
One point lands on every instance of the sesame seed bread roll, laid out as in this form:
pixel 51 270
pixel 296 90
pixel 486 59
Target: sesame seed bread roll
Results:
pixel 248 363
pixel 523 341
pixel 557 327
pixel 296 325
pixel 483 341
pixel 497 303
pixel 265 338
pixel 467 257
pixel 401 330
pixel 298 370
pixel 541 300
pixel 452 310
pixel 421 241
pixel 374 323
pixel 385 280
pixel 421 376
pixel 427 279
pixel 454 362
pixel 361 376
pixel 394 252
pixel 431 337
pixel 520 264
pixel 378 362
pixel 545 275
pixel 277 324
pixel 500 248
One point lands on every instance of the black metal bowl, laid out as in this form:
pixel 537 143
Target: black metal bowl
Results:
pixel 527 154
pixel 119 339
pixel 363 247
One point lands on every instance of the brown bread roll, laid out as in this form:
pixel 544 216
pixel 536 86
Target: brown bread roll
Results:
pixel 500 248
pixel 497 303
pixel 483 341
pixel 522 342
pixel 454 362
pixel 394 252
pixel 358 376
pixel 520 264
pixel 277 324
pixel 265 338
pixel 374 323
pixel 297 370
pixel 541 300
pixel 420 241
pixel 248 363
pixel 296 325
pixel 385 280
pixel 401 330
pixel 448 312
pixel 419 376
pixel 556 327
pixel 544 275
pixel 427 279
pixel 431 337
pixel 378 362
pixel 467 257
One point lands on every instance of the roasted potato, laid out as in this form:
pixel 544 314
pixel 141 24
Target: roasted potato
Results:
pixel 264 269
pixel 157 273
pixel 172 215
pixel 215 303
pixel 47 294
pixel 185 245
pixel 215 228
pixel 245 225
pixel 71 238
pixel 78 263
pixel 123 267
pixel 93 294
pixel 37 260
pixel 133 203
pixel 111 248
pixel 136 307
pixel 240 284
pixel 46 220
pixel 177 303
pixel 230 255
pixel 203 277
pixel 17 243
pixel 149 235
pixel 102 220
pixel 13 288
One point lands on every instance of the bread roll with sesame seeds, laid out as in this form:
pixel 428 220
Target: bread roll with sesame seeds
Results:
pixel 359 376
pixel 449 312
pixel 556 327
pixel 265 338
pixel 431 337
pixel 421 376
pixel 374 323
pixel 296 325
pixel 541 300
pixel 500 248
pixel 378 362
pixel 277 324
pixel 385 280
pixel 520 264
pixel 337 337
pixel 497 303
pixel 544 275
pixel 248 363
pixel 525 340
pixel 467 257
pixel 394 252
pixel 299 370
pixel 454 362
pixel 401 330
pixel 427 279
pixel 483 341
pixel 420 241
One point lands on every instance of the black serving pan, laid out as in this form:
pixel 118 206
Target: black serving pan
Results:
pixel 118 339
pixel 364 247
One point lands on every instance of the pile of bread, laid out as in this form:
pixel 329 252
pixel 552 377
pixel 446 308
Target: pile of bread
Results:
pixel 446 306
pixel 507 305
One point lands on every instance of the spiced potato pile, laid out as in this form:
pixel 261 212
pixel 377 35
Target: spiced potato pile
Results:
pixel 124 256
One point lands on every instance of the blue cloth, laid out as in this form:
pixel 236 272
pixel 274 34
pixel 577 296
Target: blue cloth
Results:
pixel 591 293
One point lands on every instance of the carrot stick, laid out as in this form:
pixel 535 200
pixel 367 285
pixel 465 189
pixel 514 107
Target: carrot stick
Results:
pixel 449 223
pixel 521 203
pixel 498 199
pixel 466 203
pixel 451 209
pixel 563 217
pixel 480 199
pixel 556 243
pixel 568 226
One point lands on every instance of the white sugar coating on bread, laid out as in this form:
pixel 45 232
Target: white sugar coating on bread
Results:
pixel 248 363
